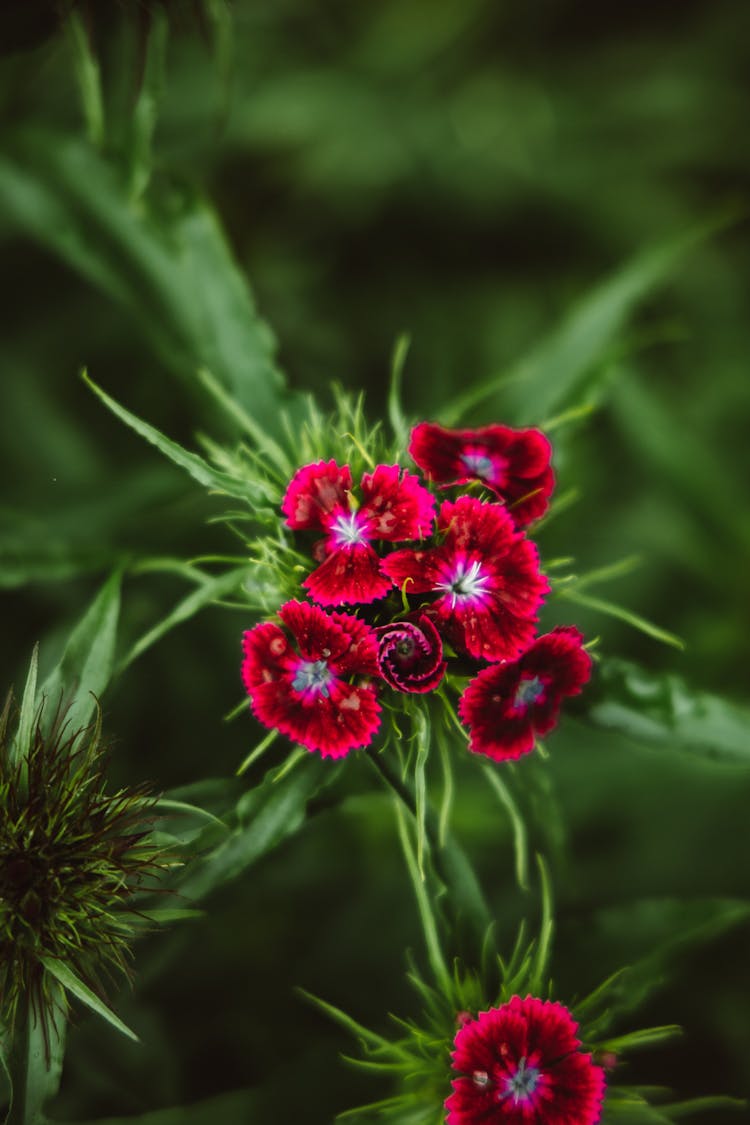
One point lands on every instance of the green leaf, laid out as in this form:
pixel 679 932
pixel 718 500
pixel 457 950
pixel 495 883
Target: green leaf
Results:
pixel 68 979
pixel 32 1059
pixel 546 927
pixel 192 463
pixel 144 115
pixel 370 1038
pixel 426 913
pixel 268 814
pixel 89 79
pixel 168 267
pixel 667 928
pixel 396 416
pixel 22 741
pixel 86 664
pixel 663 709
pixel 611 609
pixel 211 590
pixel 554 373
pixel 520 835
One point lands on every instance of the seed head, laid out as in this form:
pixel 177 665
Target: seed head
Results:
pixel 71 857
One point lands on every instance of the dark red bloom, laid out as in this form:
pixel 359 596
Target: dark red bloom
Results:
pixel 515 464
pixel 486 575
pixel 410 654
pixel 394 507
pixel 521 1064
pixel 506 705
pixel 310 691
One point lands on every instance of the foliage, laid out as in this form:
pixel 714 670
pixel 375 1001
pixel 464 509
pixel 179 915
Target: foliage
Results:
pixel 546 201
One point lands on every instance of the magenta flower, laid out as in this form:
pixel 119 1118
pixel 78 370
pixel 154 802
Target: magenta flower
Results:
pixel 310 690
pixel 506 705
pixel 486 575
pixel 515 464
pixel 410 654
pixel 520 1064
pixel 394 507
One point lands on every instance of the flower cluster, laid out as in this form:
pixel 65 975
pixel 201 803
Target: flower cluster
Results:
pixel 405 592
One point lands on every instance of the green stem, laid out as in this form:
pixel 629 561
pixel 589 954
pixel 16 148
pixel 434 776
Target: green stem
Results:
pixel 449 862
pixel 34 1055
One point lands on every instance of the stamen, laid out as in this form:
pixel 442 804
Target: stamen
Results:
pixel 528 691
pixel 479 464
pixel 467 582
pixel 347 530
pixel 521 1085
pixel 313 676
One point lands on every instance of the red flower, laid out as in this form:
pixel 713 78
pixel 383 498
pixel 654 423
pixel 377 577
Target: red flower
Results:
pixel 306 692
pixel 486 575
pixel 506 705
pixel 394 507
pixel 515 464
pixel 520 1064
pixel 410 654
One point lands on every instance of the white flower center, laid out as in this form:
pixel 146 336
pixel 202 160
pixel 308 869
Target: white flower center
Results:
pixel 467 582
pixel 347 530
pixel 313 676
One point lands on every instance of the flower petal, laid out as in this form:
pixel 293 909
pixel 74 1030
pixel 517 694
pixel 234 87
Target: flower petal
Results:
pixel 350 575
pixel 313 493
pixel 397 505
pixel 507 705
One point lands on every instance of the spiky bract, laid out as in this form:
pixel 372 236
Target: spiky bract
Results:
pixel 71 857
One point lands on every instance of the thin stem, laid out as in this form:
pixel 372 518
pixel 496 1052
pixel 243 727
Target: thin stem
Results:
pixel 448 861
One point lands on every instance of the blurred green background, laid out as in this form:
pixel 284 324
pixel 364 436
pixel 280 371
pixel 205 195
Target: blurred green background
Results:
pixel 468 172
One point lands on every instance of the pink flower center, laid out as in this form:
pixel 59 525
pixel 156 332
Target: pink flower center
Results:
pixel 312 676
pixel 466 582
pixel 521 1085
pixel 529 691
pixel 348 529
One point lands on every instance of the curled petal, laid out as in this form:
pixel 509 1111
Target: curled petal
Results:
pixel 410 655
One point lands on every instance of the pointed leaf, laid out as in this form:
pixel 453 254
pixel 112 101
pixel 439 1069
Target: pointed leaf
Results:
pixel 168 267
pixel 198 469
pixel 22 741
pixel 268 814
pixel 553 374
pixel 87 662
pixel 212 590
pixel 68 979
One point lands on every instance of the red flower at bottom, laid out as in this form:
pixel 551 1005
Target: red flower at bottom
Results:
pixel 520 1064
pixel 506 705
pixel 306 692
